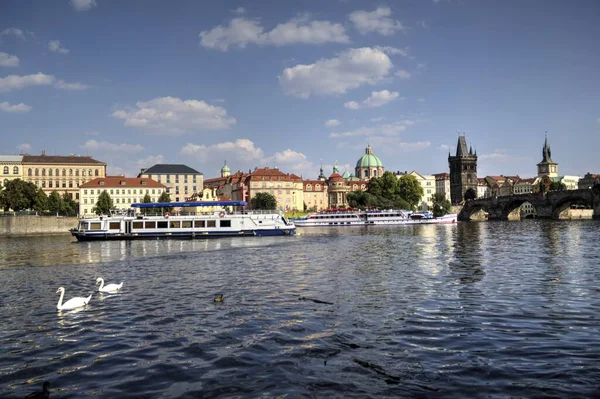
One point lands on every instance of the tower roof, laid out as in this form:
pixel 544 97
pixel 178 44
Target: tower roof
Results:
pixel 461 147
pixel 369 160
pixel 546 153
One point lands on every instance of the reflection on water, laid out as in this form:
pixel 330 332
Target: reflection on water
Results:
pixel 506 309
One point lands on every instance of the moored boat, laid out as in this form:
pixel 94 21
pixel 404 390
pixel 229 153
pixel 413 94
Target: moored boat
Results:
pixel 129 225
pixel 330 218
pixel 371 217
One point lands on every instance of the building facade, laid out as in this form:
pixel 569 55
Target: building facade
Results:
pixel 428 183
pixel 285 187
pixel 60 173
pixel 589 180
pixel 10 168
pixel 181 181
pixel 123 191
pixel 463 173
pixel 315 195
pixel 442 184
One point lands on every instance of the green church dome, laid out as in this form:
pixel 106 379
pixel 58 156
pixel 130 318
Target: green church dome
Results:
pixel 225 168
pixel 368 160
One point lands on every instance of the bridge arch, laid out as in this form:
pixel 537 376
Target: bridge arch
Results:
pixel 472 207
pixel 516 203
pixel 565 203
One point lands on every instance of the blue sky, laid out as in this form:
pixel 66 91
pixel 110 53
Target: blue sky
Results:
pixel 297 84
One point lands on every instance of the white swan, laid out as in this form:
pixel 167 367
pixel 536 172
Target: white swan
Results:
pixel 72 303
pixel 108 287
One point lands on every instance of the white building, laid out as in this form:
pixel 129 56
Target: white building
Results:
pixel 429 189
pixel 442 184
pixel 123 191
pixel 181 181
pixel 570 182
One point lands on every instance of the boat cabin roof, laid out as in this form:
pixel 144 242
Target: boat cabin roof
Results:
pixel 188 204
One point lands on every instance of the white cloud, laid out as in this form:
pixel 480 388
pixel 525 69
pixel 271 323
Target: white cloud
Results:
pixel 403 74
pixel 241 31
pixel 55 47
pixel 16 82
pixel 171 116
pixel 83 5
pixel 21 108
pixel 239 10
pixel 352 105
pixel 375 21
pixel 385 129
pixel 61 84
pixel 149 161
pixel 20 33
pixel 394 50
pixel 292 161
pixel 376 99
pixel 332 123
pixel 242 150
pixel 349 70
pixel 7 60
pixel 24 147
pixel 93 145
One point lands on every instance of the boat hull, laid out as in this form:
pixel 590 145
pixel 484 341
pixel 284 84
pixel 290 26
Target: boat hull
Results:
pixel 84 236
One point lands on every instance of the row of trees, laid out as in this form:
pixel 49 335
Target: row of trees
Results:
pixel 20 195
pixel 388 191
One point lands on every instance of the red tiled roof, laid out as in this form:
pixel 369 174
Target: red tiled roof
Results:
pixel 273 174
pixel 119 181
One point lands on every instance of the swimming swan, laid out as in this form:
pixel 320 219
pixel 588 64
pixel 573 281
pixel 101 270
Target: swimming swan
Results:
pixel 108 287
pixel 72 303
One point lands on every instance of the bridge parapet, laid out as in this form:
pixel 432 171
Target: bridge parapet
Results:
pixel 548 206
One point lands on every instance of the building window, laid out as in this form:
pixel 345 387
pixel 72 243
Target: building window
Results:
pixel 50 184
pixel 76 172
pixel 83 172
pixel 15 170
pixel 49 172
pixel 64 172
pixel 6 170
pixel 97 173
pixel 70 172
pixel 57 174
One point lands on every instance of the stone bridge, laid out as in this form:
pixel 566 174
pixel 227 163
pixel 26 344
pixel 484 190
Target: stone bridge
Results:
pixel 548 205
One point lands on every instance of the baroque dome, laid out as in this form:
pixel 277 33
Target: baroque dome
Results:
pixel 369 160
pixel 225 168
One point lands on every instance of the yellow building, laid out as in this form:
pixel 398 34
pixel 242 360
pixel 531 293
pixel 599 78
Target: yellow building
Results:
pixel 287 188
pixel 181 181
pixel 315 194
pixel 10 168
pixel 123 191
pixel 64 174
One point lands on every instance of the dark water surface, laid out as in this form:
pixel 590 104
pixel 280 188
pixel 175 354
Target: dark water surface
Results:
pixel 506 309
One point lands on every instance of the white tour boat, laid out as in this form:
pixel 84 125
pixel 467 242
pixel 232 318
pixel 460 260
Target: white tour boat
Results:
pixel 129 225
pixel 330 218
pixel 392 217
pixel 369 218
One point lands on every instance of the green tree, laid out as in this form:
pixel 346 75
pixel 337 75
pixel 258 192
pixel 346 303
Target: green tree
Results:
pixel 104 204
pixel 68 206
pixel 264 201
pixel 41 202
pixel 19 195
pixel 441 205
pixel 54 203
pixel 410 190
pixel 165 197
pixel 146 200
pixel 557 186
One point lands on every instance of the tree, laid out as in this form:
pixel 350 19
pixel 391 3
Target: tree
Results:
pixel 104 204
pixel 41 202
pixel 54 203
pixel 410 190
pixel 146 200
pixel 19 195
pixel 264 201
pixel 441 205
pixel 557 186
pixel 165 197
pixel 68 206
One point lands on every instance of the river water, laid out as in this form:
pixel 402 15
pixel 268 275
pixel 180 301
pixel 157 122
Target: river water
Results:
pixel 497 309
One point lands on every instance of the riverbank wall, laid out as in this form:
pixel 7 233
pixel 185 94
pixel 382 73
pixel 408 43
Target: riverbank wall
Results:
pixel 36 225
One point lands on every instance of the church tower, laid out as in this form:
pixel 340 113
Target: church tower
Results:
pixel 463 172
pixel 547 167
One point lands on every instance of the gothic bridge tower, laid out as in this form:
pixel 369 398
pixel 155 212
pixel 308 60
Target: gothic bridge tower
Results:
pixel 463 172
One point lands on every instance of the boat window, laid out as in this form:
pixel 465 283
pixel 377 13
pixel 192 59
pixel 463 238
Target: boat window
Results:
pixel 83 225
pixel 174 224
pixel 162 225
pixel 150 225
pixel 138 225
pixel 211 223
pixel 95 226
pixel 225 223
pixel 114 225
pixel 186 224
pixel 199 223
